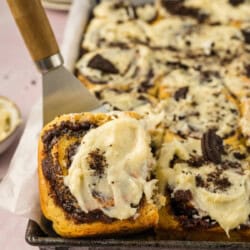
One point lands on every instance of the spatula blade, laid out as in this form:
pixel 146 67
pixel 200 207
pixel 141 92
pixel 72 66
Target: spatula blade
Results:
pixel 63 94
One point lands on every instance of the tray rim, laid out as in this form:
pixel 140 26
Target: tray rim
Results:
pixel 36 240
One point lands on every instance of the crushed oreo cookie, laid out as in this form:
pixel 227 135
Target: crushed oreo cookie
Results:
pixel 97 161
pixel 217 182
pixel 247 70
pixel 177 65
pixel 175 160
pixel 199 182
pixel 246 35
pixel 212 147
pixel 236 2
pixel 185 213
pixel 230 164
pixel 176 7
pixel 195 161
pixel 207 75
pixel 181 93
pixel 119 45
pixel 183 195
pixel 100 63
pixel 131 12
pixel 214 182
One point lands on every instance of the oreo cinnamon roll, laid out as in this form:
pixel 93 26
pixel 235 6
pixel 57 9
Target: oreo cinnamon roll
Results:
pixel 196 102
pixel 95 175
pixel 115 68
pixel 206 184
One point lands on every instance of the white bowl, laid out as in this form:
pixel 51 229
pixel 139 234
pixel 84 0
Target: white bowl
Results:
pixel 15 121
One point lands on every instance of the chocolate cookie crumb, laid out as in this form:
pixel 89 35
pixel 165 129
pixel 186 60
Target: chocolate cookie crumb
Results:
pixel 176 7
pixel 212 147
pixel 230 164
pixel 100 63
pixel 97 161
pixel 199 182
pixel 246 35
pixel 236 2
pixel 174 161
pixel 247 70
pixel 181 93
pixel 239 156
pixel 183 195
pixel 222 183
pixel 196 161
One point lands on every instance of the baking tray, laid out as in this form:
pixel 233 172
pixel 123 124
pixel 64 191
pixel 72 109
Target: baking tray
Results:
pixel 146 240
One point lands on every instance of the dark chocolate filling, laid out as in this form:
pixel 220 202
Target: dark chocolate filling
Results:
pixel 70 152
pixel 177 65
pixel 214 182
pixel 185 213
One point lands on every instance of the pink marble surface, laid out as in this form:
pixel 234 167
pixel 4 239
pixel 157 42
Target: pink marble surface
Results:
pixel 19 81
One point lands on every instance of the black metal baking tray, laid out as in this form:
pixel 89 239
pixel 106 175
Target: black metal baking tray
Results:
pixel 147 240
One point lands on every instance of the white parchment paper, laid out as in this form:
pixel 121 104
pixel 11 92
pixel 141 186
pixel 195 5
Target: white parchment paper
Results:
pixel 19 189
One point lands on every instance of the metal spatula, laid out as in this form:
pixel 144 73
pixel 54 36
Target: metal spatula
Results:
pixel 62 92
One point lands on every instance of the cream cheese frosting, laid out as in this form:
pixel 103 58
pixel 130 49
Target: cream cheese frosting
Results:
pixel 228 205
pixel 188 36
pixel 4 123
pixel 230 13
pixel 117 185
pixel 9 118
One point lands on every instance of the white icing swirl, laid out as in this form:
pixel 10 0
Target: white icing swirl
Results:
pixel 127 162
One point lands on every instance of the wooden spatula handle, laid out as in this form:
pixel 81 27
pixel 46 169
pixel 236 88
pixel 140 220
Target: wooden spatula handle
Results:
pixel 34 27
